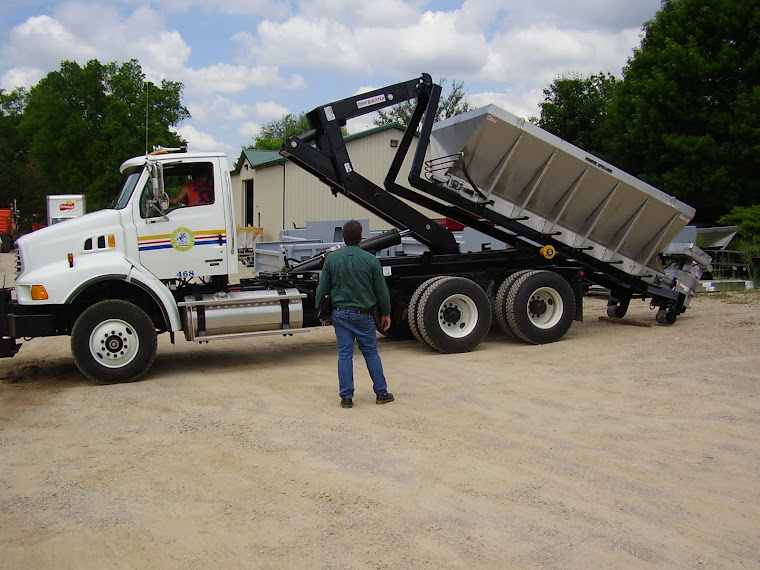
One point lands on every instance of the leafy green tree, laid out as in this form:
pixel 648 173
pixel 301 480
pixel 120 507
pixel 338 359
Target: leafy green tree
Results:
pixel 453 103
pixel 685 116
pixel 12 152
pixel 80 123
pixel 575 109
pixel 274 133
pixel 747 219
pixel 32 205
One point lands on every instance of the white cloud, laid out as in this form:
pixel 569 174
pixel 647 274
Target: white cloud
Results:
pixel 314 43
pixel 580 14
pixel 227 78
pixel 200 141
pixel 362 123
pixel 444 41
pixel 21 77
pixel 269 110
pixel 215 109
pixel 160 56
pixel 43 41
pixel 248 131
pixel 523 103
pixel 376 14
pixel 546 52
pixel 269 8
pixel 81 32
pixel 365 89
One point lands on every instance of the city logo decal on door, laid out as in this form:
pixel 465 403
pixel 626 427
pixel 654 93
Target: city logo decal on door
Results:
pixel 182 239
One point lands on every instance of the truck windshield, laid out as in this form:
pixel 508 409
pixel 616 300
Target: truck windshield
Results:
pixel 132 175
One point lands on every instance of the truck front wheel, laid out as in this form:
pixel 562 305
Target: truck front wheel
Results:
pixel 113 341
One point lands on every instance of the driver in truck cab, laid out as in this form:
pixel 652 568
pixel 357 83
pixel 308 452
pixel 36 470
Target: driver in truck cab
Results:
pixel 195 193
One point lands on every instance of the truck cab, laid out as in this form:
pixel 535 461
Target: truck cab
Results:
pixel 114 278
pixel 178 217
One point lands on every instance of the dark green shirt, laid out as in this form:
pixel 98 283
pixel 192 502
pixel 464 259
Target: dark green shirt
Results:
pixel 354 280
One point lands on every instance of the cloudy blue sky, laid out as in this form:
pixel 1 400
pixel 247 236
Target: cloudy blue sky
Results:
pixel 247 62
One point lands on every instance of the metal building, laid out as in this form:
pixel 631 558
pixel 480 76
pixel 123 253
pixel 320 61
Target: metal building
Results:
pixel 273 193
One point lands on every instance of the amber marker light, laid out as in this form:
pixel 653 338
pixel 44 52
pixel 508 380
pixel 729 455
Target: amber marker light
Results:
pixel 70 257
pixel 111 240
pixel 39 293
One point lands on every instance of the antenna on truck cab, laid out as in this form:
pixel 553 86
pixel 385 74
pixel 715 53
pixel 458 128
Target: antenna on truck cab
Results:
pixel 146 117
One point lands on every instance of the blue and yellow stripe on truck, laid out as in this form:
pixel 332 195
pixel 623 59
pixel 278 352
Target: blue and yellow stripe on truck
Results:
pixel 170 241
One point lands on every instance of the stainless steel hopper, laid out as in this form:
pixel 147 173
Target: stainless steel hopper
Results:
pixel 557 189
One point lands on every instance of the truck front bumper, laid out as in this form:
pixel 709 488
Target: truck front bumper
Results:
pixel 19 321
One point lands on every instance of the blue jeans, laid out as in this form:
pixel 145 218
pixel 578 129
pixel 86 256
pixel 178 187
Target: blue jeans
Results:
pixel 361 328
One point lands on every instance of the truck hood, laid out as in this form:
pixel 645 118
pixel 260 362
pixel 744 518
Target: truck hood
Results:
pixel 57 241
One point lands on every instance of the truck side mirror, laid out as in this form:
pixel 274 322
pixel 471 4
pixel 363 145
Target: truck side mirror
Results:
pixel 160 198
pixel 157 179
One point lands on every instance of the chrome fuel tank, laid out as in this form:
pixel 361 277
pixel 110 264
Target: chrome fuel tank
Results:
pixel 237 312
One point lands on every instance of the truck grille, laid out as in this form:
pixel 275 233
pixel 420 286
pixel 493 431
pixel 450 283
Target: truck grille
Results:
pixel 19 263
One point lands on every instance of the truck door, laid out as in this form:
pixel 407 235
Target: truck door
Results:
pixel 190 239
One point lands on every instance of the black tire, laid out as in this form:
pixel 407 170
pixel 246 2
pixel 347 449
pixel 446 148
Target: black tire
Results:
pixel 411 314
pixel 666 317
pixel 5 243
pixel 454 315
pixel 114 341
pixel 616 311
pixel 500 305
pixel 541 307
pixel 617 307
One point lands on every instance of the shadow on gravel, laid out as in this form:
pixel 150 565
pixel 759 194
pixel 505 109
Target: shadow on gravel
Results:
pixel 58 373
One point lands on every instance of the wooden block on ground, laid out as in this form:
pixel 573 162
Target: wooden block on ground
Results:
pixel 625 322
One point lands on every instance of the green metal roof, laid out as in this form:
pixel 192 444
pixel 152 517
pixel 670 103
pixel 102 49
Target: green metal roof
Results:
pixel 258 158
pixel 263 158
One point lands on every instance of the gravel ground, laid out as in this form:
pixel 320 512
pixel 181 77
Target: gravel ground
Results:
pixel 618 447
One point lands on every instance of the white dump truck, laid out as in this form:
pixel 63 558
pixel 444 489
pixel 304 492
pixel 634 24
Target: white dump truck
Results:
pixel 115 278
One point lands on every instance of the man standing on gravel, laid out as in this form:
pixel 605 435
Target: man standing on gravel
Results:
pixel 354 280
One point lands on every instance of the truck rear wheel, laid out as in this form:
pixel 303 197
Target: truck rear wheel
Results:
pixel 454 315
pixel 540 307
pixel 113 341
pixel 500 308
pixel 414 302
